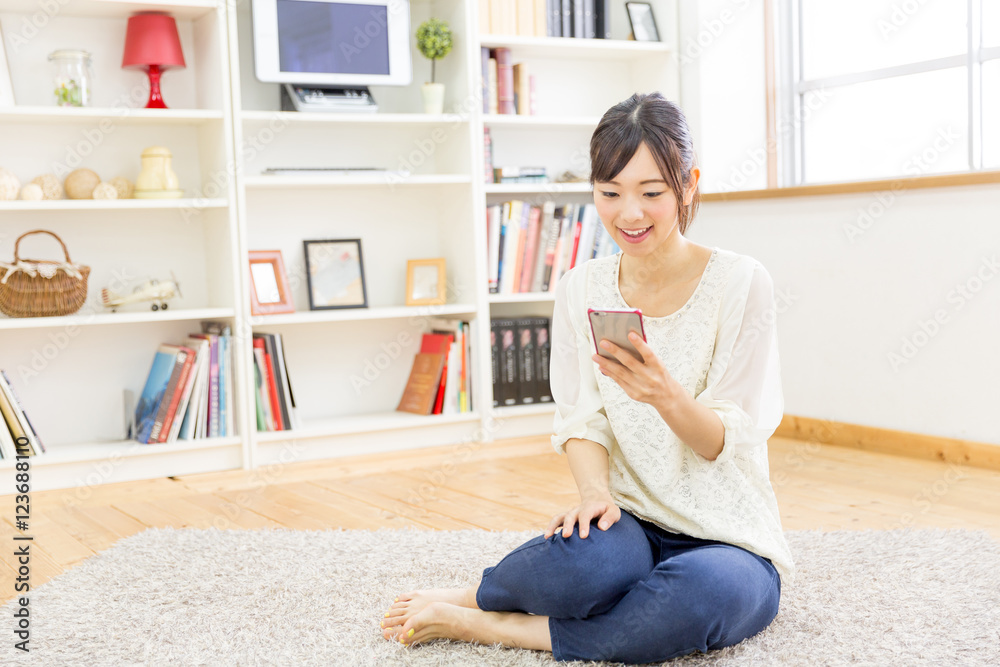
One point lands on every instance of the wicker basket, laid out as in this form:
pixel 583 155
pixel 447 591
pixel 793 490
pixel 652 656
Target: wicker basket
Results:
pixel 42 288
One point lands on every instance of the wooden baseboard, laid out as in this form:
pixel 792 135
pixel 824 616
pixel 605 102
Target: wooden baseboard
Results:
pixel 900 443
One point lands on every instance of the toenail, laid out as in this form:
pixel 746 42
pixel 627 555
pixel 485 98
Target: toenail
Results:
pixel 382 623
pixel 387 614
pixel 410 633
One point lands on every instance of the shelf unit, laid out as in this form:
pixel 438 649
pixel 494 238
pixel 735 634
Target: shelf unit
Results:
pixel 347 367
pixel 71 371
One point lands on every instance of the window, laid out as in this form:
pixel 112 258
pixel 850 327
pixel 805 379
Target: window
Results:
pixel 872 89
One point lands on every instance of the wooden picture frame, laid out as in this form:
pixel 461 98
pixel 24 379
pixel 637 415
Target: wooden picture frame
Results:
pixel 425 282
pixel 642 22
pixel 335 272
pixel 269 290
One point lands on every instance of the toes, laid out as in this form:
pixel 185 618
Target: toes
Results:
pixel 392 621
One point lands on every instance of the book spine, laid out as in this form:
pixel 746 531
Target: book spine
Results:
pixel 495 360
pixel 271 342
pixel 542 350
pixel 531 249
pixel 168 397
pixel 36 442
pixel 541 8
pixel 577 228
pixel 525 361
pixel 18 432
pixel 522 243
pixel 602 17
pixel 505 80
pixel 578 18
pixel 566 11
pixel 213 399
pixel 176 401
pixel 508 363
pixel 589 20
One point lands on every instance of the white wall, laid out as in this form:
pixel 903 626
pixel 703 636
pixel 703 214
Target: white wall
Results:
pixel 866 276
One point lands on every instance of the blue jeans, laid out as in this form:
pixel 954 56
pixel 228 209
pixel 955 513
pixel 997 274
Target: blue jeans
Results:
pixel 635 593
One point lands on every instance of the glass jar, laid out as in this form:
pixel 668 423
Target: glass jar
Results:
pixel 72 77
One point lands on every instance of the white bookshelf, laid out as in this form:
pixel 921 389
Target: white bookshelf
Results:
pixel 71 372
pixel 348 367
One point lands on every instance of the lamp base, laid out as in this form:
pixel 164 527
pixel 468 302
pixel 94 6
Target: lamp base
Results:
pixel 155 99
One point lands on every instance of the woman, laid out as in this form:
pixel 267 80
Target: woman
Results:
pixel 669 453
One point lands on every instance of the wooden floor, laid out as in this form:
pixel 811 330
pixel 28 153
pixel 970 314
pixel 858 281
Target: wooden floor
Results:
pixel 513 484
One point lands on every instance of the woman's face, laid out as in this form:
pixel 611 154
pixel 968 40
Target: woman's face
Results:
pixel 638 199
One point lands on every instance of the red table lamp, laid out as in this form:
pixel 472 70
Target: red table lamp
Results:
pixel 152 44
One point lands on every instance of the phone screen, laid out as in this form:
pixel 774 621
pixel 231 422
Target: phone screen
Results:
pixel 615 326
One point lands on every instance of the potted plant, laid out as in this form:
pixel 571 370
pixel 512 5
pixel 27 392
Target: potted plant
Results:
pixel 434 41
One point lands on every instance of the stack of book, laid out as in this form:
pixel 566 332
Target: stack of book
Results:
pixel 440 379
pixel 540 18
pixel 507 88
pixel 275 402
pixel 189 390
pixel 17 435
pixel 530 247
pixel 520 351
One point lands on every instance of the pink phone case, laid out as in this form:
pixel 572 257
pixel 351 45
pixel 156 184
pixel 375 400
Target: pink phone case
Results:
pixel 617 335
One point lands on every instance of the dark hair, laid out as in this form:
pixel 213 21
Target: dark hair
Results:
pixel 660 124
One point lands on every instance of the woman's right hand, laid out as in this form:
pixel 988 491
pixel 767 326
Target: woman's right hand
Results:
pixel 602 507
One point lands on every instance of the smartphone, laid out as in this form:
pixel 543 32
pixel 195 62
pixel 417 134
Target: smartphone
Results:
pixel 615 325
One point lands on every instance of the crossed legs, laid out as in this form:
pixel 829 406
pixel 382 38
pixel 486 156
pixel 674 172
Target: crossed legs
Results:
pixel 598 598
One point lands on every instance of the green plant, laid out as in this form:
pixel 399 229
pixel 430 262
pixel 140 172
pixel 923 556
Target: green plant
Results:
pixel 434 40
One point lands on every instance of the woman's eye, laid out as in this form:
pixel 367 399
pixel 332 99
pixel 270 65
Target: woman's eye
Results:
pixel 610 194
pixel 654 194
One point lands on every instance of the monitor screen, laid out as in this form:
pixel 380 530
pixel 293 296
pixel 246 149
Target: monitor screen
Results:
pixel 332 42
pixel 326 37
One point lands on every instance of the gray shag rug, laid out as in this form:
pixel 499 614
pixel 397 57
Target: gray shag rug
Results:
pixel 269 597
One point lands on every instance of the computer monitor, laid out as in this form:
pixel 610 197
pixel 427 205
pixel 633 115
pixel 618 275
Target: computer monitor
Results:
pixel 332 42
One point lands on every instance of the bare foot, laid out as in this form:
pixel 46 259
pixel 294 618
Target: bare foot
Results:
pixel 439 620
pixel 413 602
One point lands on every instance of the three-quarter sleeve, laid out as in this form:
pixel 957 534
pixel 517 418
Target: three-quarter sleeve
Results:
pixel 744 379
pixel 579 407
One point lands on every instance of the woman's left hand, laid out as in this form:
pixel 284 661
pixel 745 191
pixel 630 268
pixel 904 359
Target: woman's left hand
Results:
pixel 646 381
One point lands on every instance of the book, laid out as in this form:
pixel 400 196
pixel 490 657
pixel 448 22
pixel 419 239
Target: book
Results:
pixel 168 401
pixel 507 341
pixel 495 359
pixel 525 359
pixel 522 93
pixel 525 17
pixel 505 80
pixel 153 391
pixel 16 424
pixel 8 450
pixel 286 383
pixel 422 384
pixel 494 86
pixel 602 19
pixel 541 326
pixel 178 400
pixel 211 420
pixel 195 403
pixel 36 441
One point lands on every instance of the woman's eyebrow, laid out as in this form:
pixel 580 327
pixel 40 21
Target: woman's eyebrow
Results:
pixel 651 180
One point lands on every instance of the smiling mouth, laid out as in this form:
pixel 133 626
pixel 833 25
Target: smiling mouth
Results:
pixel 634 232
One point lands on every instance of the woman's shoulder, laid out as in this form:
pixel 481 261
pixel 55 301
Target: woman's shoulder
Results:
pixel 741 269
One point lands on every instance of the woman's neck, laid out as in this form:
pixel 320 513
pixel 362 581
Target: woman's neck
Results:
pixel 665 266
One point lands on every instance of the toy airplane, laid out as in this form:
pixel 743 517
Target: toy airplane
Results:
pixel 157 291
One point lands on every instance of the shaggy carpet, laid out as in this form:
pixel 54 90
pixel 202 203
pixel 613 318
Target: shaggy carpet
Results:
pixel 270 597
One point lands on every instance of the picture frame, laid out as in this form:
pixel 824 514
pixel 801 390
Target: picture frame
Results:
pixel 642 21
pixel 269 289
pixel 425 282
pixel 6 87
pixel 335 274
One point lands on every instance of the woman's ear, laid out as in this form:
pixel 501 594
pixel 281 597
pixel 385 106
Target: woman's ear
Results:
pixel 694 175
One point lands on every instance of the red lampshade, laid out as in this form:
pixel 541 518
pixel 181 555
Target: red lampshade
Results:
pixel 151 39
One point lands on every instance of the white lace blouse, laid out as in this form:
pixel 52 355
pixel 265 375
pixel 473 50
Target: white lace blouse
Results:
pixel 722 347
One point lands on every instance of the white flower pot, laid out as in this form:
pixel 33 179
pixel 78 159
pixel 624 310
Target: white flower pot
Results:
pixel 433 94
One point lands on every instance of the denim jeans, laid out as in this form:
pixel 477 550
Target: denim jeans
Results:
pixel 635 592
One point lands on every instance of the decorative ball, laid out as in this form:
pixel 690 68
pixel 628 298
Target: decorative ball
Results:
pixel 123 186
pixel 105 191
pixel 9 185
pixel 80 184
pixel 32 192
pixel 51 187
